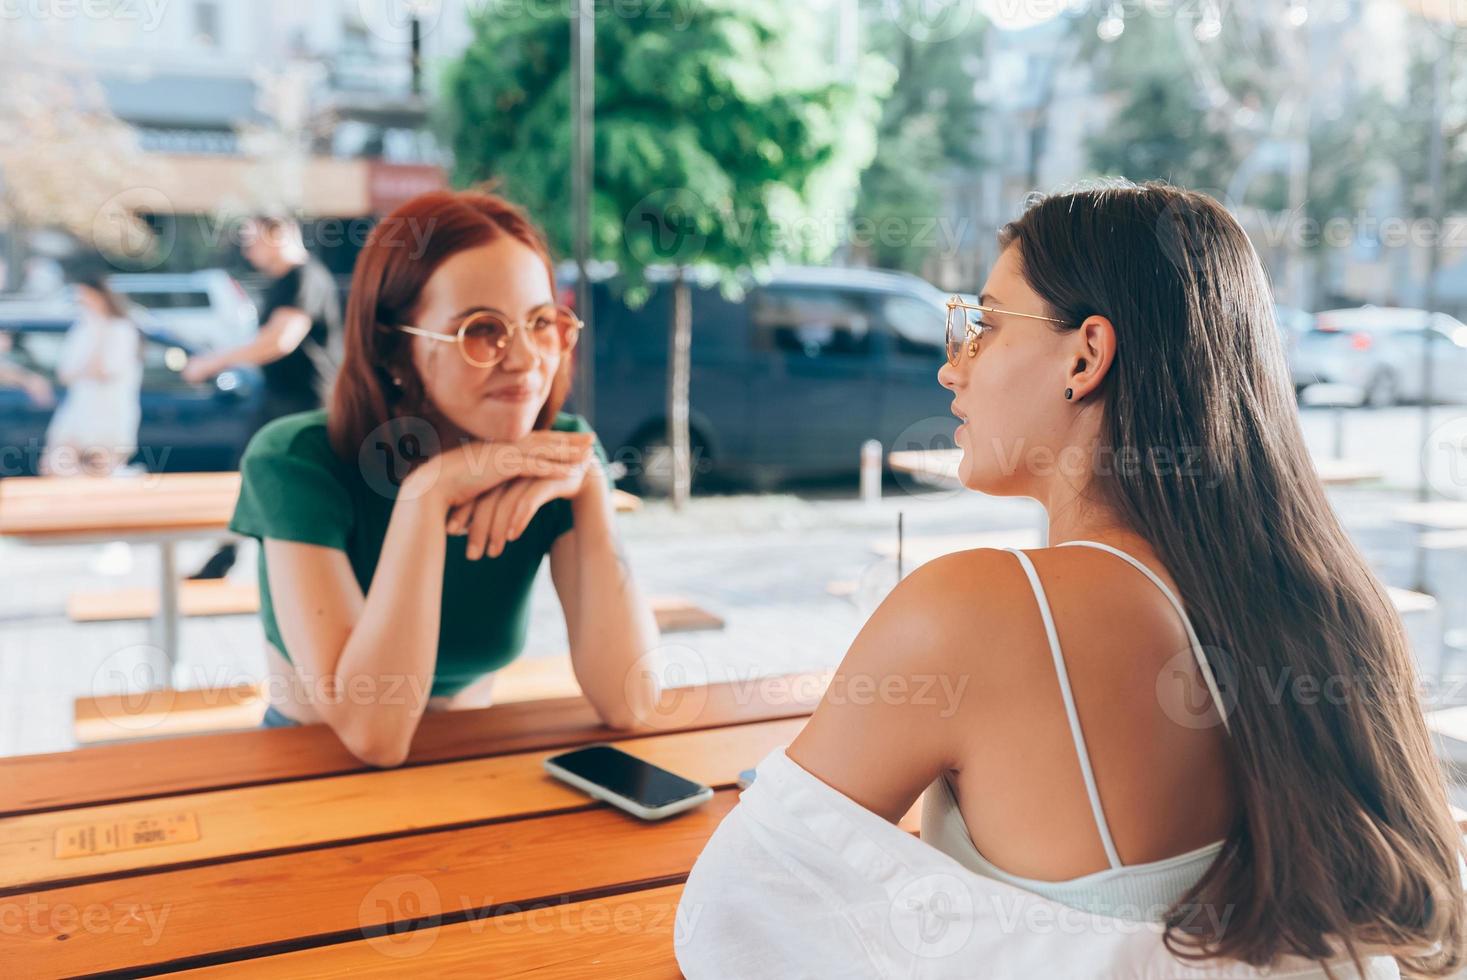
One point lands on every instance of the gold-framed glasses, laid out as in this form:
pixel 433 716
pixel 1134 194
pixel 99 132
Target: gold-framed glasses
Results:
pixel 484 337
pixel 965 325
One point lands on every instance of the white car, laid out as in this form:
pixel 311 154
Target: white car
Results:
pixel 1377 351
pixel 206 309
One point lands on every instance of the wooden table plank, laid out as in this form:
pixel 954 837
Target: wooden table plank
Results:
pixel 627 936
pixel 42 508
pixel 338 894
pixel 279 817
pixel 148 770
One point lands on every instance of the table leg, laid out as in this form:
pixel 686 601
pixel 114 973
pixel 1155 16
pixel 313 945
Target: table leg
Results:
pixel 168 610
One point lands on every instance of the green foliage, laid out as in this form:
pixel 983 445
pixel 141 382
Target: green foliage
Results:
pixel 1193 113
pixel 721 138
pixel 928 129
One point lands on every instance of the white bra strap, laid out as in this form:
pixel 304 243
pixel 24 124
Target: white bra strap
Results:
pixel 1069 698
pixel 1202 665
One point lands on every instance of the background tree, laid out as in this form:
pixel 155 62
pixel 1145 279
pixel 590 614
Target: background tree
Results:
pixel 66 161
pixel 1257 108
pixel 928 130
pixel 723 139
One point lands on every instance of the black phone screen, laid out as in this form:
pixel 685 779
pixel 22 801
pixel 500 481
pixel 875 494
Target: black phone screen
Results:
pixel 626 775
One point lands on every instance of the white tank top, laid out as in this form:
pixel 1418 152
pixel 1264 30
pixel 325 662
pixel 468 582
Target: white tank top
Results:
pixel 1126 891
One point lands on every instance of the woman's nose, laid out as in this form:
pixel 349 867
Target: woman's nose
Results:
pixel 519 351
pixel 947 375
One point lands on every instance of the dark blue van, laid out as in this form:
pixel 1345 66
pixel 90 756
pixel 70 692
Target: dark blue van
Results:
pixel 787 382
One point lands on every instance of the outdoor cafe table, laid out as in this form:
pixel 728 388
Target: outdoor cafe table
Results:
pixel 152 508
pixel 274 852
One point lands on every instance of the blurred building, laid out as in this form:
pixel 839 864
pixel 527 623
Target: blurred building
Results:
pixel 320 108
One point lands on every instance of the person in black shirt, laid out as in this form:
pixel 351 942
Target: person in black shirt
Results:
pixel 299 338
pixel 300 323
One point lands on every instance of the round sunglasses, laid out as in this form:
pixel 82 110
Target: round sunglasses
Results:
pixel 484 337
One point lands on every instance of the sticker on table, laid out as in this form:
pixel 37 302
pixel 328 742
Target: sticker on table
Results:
pixel 104 837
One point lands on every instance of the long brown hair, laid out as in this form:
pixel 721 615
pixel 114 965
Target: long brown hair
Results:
pixel 1343 839
pixel 377 381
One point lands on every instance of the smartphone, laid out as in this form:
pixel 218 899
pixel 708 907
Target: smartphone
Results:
pixel 626 782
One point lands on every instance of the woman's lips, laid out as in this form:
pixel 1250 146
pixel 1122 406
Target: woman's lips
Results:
pixel 512 394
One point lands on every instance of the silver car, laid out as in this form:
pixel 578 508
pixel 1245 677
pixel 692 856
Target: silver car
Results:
pixel 1377 351
pixel 208 308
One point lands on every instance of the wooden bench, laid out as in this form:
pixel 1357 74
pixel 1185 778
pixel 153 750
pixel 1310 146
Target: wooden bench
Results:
pixel 222 597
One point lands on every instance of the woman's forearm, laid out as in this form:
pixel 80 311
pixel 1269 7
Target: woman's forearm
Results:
pixel 386 668
pixel 613 619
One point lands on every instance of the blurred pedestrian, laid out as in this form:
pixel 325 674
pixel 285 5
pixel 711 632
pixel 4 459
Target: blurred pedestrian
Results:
pixel 95 428
pixel 299 338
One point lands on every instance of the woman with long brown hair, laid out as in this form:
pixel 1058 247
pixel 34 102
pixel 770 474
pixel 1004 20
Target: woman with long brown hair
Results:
pixel 1195 709
pixel 402 528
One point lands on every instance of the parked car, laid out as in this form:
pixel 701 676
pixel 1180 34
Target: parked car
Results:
pixel 1377 351
pixel 184 427
pixel 1293 324
pixel 787 381
pixel 205 309
pixel 208 308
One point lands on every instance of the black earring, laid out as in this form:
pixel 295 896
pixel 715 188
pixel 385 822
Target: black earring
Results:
pixel 1069 393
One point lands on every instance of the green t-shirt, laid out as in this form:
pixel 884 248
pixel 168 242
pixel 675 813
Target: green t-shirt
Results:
pixel 295 488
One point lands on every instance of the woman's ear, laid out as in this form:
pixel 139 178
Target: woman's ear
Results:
pixel 1092 353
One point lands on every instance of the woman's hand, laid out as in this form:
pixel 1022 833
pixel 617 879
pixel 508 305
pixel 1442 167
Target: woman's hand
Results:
pixel 462 475
pixel 501 515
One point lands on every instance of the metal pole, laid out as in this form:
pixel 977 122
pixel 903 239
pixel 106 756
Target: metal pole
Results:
pixel 583 104
pixel 1440 79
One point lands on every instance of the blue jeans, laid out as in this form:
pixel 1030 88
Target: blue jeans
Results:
pixel 274 719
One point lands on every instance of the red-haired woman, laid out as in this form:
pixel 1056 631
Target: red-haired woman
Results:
pixel 402 529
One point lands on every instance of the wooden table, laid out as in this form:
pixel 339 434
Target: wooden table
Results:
pixel 276 853
pixel 150 508
pixel 1436 515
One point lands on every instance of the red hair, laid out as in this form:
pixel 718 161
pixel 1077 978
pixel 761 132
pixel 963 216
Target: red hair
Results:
pixel 400 255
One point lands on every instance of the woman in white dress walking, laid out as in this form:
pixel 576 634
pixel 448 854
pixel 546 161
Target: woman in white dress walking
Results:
pixel 95 429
